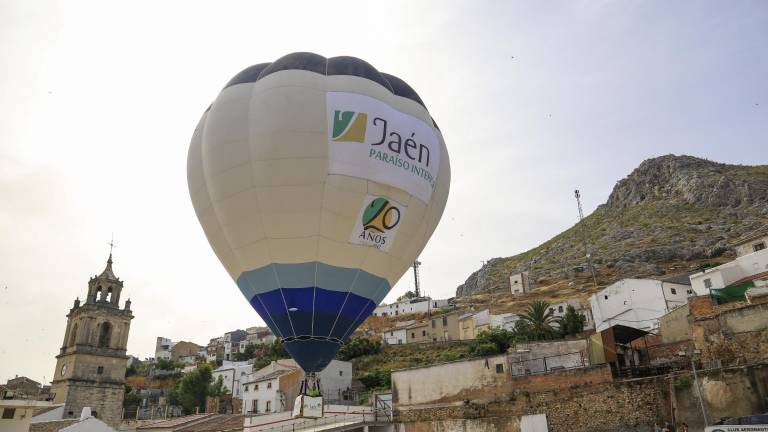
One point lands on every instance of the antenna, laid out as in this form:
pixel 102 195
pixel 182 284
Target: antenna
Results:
pixel 417 289
pixel 584 237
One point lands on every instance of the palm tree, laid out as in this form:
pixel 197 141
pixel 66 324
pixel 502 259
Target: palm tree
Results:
pixel 537 321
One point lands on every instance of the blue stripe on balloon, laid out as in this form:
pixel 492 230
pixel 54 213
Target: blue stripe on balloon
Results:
pixel 309 274
pixel 312 300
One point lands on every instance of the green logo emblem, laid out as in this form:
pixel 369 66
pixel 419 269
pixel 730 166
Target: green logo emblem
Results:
pixel 380 215
pixel 349 126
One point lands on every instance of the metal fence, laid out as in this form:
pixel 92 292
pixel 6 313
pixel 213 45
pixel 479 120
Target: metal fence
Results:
pixel 343 419
pixel 520 365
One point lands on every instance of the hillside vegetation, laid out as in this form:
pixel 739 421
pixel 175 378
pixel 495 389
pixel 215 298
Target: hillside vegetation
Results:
pixel 670 215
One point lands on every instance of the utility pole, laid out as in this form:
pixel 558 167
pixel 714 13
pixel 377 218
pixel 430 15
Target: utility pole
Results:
pixel 698 390
pixel 584 237
pixel 416 265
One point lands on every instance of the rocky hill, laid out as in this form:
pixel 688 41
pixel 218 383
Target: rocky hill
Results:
pixel 671 214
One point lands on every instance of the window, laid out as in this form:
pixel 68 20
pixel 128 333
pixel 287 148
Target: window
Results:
pixel 423 332
pixel 399 341
pixel 689 292
pixel 560 309
pixel 433 323
pixel 391 333
pixel 445 321
pixel 413 335
pixel 246 388
pixel 268 407
pixel 605 297
pixel 105 334
pixel 255 406
pixel 9 413
pixel 341 373
pixel 707 283
pixel 673 291
pixel 269 386
pixel 99 371
pixel 552 310
pixel 758 246
pixel 255 386
pixel 499 368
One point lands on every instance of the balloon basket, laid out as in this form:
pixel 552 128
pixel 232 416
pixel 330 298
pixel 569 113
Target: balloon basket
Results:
pixel 309 402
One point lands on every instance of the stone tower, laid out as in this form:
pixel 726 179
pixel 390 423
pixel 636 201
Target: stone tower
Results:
pixel 90 368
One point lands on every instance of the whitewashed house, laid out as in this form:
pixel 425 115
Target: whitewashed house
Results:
pixel 519 283
pixel 416 305
pixel 726 274
pixel 274 387
pixel 559 309
pixel 637 303
pixel 504 321
pixel 234 375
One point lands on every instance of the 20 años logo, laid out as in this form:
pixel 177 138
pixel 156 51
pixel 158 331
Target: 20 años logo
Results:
pixel 378 222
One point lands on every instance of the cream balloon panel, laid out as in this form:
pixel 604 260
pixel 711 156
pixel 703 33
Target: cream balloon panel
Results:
pixel 295 211
pixel 281 224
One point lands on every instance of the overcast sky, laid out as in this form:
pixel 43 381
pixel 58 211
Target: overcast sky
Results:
pixel 98 102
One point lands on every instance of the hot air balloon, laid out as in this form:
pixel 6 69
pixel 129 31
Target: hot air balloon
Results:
pixel 317 181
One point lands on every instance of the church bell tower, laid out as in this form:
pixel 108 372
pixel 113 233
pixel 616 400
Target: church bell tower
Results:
pixel 90 367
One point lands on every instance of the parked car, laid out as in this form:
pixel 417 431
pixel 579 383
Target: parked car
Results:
pixel 757 423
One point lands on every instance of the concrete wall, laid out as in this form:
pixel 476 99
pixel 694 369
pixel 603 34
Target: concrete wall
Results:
pixel 674 326
pixel 540 357
pixel 446 381
pixel 746 319
pixel 726 392
pixel 601 407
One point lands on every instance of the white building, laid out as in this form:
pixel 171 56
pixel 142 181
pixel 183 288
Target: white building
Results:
pixel 752 242
pixel 416 305
pixel 505 321
pixel 163 348
pixel 558 311
pixel 275 387
pixel 637 303
pixel 16 414
pixel 257 336
pixel 396 335
pixel 519 283
pixel 234 375
pixel 724 275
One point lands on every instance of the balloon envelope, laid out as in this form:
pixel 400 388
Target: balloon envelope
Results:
pixel 317 183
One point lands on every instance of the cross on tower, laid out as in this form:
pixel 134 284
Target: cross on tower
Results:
pixel 112 244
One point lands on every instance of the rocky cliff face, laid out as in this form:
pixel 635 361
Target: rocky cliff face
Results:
pixel 670 211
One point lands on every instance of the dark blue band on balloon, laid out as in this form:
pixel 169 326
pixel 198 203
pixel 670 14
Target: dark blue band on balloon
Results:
pixel 312 311
pixel 314 306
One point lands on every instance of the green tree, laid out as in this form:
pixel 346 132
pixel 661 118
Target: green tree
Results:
pixel 358 347
pixel 493 341
pixel 270 353
pixel 536 322
pixel 407 296
pixel 218 388
pixel 191 390
pixel 572 322
pixel 377 379
pixel 248 353
pixel 169 364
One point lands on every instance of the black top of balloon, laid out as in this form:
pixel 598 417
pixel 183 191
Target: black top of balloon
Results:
pixel 343 65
